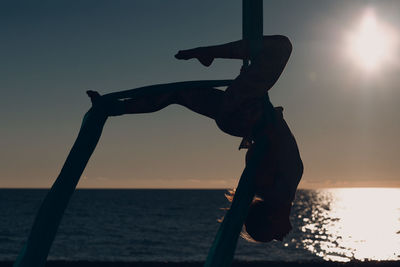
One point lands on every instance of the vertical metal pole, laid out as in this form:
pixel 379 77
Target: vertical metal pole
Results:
pixel 252 26
pixel 223 248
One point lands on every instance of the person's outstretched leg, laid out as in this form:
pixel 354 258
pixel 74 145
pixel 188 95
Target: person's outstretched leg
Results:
pixel 205 101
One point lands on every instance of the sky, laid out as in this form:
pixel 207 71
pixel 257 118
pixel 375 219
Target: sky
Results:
pixel 340 90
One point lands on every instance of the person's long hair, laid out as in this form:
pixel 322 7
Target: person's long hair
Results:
pixel 263 223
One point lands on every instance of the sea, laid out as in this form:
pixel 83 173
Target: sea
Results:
pixel 179 225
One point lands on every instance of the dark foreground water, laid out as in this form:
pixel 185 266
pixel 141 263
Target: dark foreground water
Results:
pixel 179 225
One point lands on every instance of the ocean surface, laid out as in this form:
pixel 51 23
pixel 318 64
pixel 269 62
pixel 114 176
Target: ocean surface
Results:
pixel 180 225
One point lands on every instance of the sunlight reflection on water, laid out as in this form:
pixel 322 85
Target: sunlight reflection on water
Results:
pixel 353 223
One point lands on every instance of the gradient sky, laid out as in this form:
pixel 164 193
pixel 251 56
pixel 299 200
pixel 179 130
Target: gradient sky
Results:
pixel 345 118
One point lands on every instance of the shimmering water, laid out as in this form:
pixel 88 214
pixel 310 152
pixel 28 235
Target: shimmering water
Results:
pixel 356 223
pixel 179 225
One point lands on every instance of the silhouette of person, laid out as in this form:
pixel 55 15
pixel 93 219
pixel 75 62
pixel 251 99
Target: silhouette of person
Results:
pixel 242 110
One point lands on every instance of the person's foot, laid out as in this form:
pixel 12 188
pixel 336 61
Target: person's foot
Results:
pixel 94 96
pixel 112 107
pixel 198 53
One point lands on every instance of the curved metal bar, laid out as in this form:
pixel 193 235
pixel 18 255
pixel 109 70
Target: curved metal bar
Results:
pixel 48 218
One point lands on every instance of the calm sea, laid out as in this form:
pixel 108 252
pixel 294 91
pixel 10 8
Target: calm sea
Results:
pixel 179 225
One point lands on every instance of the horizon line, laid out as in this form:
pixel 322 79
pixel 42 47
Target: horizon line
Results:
pixel 195 188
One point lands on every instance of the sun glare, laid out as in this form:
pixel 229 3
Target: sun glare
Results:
pixel 372 44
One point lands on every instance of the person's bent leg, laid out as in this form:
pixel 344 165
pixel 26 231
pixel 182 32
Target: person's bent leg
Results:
pixel 244 101
pixel 275 52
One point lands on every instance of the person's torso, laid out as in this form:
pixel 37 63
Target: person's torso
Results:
pixel 280 168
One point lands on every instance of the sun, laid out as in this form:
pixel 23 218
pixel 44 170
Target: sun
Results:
pixel 372 43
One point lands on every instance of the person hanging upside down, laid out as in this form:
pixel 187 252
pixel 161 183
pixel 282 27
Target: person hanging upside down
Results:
pixel 242 110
